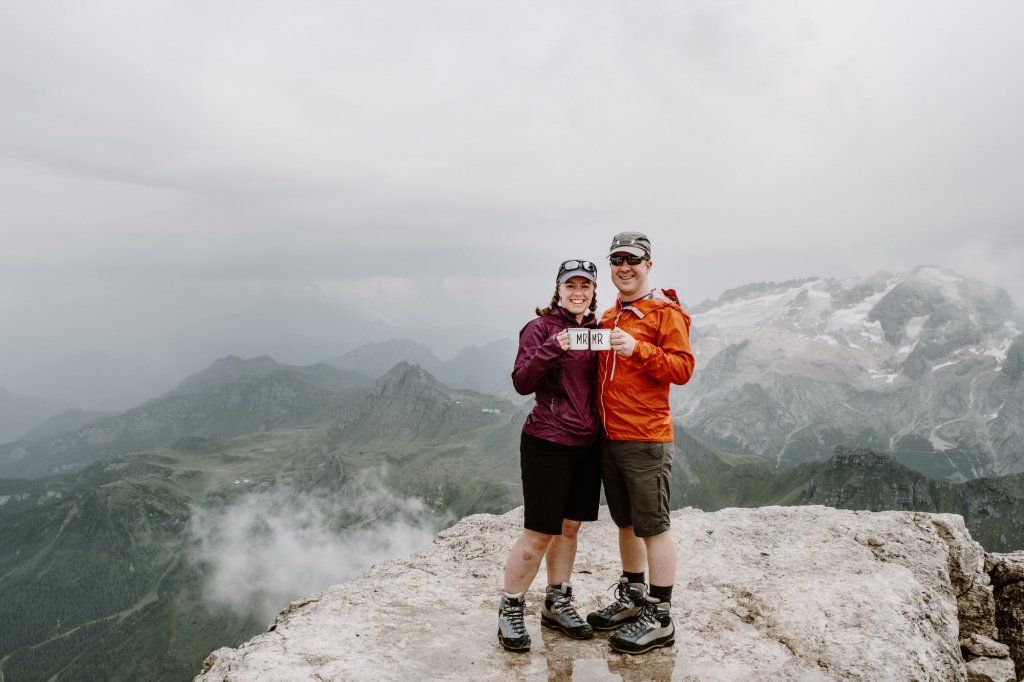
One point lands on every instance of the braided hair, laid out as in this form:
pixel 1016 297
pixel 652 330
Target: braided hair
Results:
pixel 555 298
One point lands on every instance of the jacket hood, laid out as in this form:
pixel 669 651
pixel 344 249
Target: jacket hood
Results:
pixel 655 298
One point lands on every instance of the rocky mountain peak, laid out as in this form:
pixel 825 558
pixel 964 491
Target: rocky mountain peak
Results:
pixel 227 369
pixel 860 458
pixel 409 379
pixel 911 363
pixel 777 593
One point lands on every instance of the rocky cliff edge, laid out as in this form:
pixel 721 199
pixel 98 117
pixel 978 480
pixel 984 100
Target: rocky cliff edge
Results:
pixel 775 593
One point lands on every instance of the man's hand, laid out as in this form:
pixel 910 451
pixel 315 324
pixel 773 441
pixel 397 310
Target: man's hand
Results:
pixel 622 343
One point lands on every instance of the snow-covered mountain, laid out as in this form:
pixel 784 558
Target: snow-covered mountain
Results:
pixel 926 364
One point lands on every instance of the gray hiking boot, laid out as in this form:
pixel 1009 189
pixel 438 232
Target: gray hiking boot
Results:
pixel 511 627
pixel 560 614
pixel 629 598
pixel 652 630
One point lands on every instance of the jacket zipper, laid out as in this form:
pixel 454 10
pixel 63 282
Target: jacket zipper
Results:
pixel 605 378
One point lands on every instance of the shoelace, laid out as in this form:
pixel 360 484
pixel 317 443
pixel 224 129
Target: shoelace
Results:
pixel 645 619
pixel 564 606
pixel 621 595
pixel 515 616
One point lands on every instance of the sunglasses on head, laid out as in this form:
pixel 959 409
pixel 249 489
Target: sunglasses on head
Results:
pixel 632 260
pixel 570 265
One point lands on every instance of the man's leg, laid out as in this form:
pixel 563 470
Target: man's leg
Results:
pixel 654 627
pixel 632 551
pixel 629 592
pixel 661 554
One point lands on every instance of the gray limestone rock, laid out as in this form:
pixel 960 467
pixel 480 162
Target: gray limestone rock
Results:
pixel 977 646
pixel 991 670
pixel 775 593
pixel 1007 571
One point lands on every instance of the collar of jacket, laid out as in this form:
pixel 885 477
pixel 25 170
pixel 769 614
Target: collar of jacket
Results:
pixel 565 315
pixel 655 298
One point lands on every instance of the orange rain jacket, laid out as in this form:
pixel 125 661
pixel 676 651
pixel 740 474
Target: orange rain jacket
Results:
pixel 633 392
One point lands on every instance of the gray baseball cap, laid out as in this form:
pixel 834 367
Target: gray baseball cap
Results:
pixel 576 268
pixel 633 243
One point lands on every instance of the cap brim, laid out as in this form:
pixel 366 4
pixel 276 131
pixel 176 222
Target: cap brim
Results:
pixel 631 250
pixel 577 273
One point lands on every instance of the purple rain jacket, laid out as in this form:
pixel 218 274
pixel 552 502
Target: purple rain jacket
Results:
pixel 564 382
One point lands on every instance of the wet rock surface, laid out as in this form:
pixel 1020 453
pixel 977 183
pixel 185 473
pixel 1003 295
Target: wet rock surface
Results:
pixel 775 593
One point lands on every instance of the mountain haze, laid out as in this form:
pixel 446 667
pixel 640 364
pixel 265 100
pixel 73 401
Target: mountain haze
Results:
pixel 20 413
pixel 485 368
pixel 230 398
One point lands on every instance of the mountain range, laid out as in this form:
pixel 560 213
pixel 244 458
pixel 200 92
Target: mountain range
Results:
pixel 926 365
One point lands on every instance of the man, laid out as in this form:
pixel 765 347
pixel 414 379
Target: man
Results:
pixel 650 341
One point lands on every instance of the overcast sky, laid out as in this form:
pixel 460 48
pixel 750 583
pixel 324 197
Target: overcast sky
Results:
pixel 184 179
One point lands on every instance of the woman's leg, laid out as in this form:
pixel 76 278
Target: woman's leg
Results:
pixel 561 554
pixel 524 560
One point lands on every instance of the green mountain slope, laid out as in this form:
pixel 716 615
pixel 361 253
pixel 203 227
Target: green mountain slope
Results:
pixel 856 478
pixel 101 573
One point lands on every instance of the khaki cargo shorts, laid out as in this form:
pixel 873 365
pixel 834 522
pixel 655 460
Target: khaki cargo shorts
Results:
pixel 636 484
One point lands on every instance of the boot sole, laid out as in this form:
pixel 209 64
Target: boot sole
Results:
pixel 653 645
pixel 555 625
pixel 510 646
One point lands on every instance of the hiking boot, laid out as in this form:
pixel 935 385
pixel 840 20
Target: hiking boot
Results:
pixel 652 630
pixel 629 597
pixel 511 627
pixel 560 614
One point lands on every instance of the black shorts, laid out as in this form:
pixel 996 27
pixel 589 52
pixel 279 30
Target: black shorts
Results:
pixel 636 478
pixel 559 482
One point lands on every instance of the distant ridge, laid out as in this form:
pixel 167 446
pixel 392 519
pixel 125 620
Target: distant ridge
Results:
pixel 485 368
pixel 232 397
pixel 69 420
pixel 20 413
pixel 859 479
pixel 231 369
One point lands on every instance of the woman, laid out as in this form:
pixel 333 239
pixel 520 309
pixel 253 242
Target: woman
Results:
pixel 558 456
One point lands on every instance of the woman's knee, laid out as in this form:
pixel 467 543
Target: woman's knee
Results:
pixel 536 542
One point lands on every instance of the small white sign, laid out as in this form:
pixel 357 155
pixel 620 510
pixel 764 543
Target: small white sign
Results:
pixel 579 338
pixel 600 339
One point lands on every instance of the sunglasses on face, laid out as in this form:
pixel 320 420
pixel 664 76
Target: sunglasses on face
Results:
pixel 570 265
pixel 632 260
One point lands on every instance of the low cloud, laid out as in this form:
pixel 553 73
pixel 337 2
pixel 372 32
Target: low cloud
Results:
pixel 271 547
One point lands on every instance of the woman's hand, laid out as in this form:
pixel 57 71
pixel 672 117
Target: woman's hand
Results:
pixel 563 339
